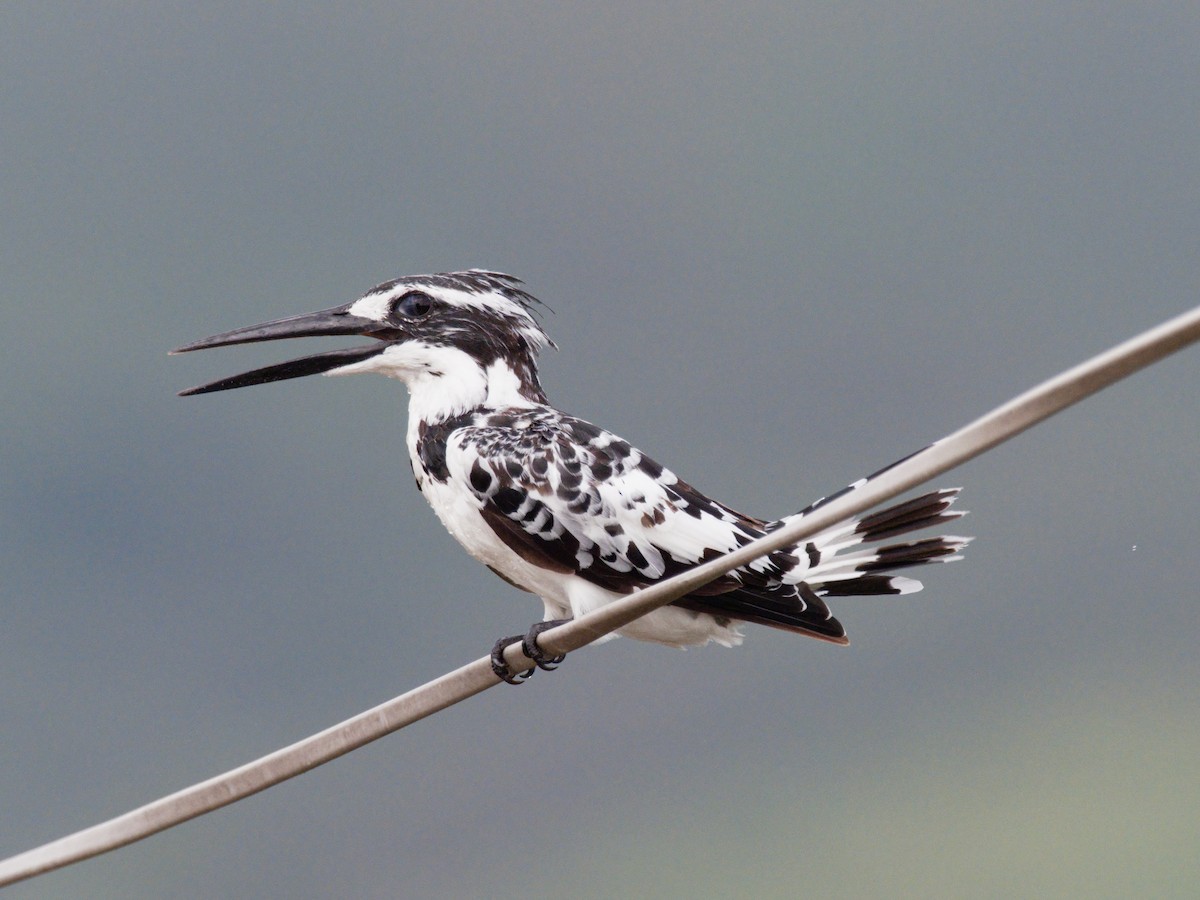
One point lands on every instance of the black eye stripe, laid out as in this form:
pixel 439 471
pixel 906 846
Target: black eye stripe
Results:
pixel 412 305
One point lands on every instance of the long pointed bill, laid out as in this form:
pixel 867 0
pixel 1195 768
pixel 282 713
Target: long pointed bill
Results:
pixel 337 321
pixel 296 368
pixel 325 322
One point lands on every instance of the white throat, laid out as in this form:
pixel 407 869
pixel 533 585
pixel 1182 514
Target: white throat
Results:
pixel 449 385
pixel 443 382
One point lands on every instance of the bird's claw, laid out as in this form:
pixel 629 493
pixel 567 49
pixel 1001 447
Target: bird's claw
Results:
pixel 530 647
pixel 501 667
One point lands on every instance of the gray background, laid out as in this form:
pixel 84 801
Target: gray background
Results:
pixel 787 243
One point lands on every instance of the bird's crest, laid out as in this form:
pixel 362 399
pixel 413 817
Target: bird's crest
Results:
pixel 495 296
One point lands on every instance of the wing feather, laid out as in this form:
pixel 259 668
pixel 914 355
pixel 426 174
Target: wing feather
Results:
pixel 568 496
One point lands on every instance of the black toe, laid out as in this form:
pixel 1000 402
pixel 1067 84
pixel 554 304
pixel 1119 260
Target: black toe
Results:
pixel 530 647
pixel 502 669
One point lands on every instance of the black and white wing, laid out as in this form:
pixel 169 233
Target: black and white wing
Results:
pixel 571 497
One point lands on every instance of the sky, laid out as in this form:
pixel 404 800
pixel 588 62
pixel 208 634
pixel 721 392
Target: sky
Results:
pixel 785 244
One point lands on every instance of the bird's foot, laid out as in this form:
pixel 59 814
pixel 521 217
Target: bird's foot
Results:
pixel 501 667
pixel 529 646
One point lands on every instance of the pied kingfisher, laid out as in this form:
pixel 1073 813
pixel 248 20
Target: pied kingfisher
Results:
pixel 561 508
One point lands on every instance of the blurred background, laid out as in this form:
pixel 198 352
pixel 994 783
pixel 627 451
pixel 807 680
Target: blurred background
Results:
pixel 785 244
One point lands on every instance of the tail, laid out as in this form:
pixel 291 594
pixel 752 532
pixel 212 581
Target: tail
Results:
pixel 845 561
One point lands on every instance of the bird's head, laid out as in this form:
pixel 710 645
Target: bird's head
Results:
pixel 453 326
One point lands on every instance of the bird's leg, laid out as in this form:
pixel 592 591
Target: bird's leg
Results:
pixel 529 646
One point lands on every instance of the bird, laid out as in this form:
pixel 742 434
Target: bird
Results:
pixel 567 510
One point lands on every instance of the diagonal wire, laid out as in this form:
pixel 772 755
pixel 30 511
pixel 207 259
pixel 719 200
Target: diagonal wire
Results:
pixel 968 442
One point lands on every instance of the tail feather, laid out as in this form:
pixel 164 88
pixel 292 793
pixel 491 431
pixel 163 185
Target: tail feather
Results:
pixel 842 561
pixel 870 585
pixel 913 515
pixel 797 609
pixel 832 571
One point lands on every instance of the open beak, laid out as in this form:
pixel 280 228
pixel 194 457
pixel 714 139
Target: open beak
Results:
pixel 334 321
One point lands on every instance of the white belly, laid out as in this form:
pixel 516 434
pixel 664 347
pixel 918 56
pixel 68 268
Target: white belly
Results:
pixel 459 512
pixel 564 595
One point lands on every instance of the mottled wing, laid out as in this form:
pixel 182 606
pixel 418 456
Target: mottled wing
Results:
pixel 569 496
pixel 574 498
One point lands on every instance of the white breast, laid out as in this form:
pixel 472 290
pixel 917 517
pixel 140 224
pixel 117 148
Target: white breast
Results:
pixel 458 510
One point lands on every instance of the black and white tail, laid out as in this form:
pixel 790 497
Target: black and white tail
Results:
pixel 847 561
pixel 843 561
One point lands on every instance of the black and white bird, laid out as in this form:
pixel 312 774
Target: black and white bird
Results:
pixel 562 508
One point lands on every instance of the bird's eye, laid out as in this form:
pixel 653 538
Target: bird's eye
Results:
pixel 413 305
